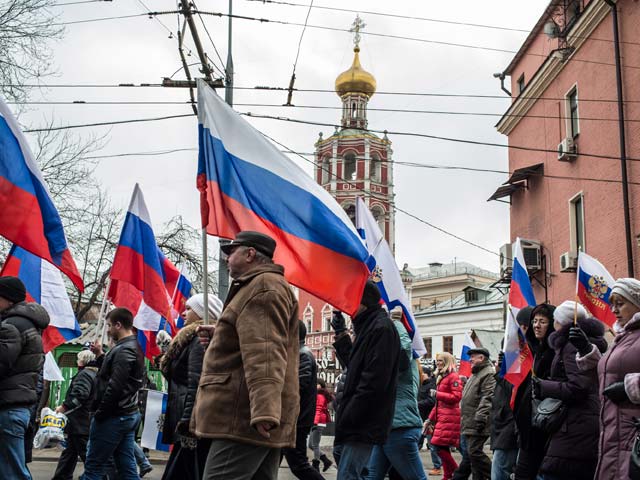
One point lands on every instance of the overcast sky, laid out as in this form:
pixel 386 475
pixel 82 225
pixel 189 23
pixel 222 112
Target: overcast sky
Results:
pixel 138 50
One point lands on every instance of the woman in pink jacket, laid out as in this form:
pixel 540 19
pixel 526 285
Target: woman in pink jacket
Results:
pixel 323 417
pixel 619 376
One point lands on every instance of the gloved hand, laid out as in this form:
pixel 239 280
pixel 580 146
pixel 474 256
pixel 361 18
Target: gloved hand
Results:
pixel 338 323
pixel 500 361
pixel 183 428
pixel 616 392
pixel 536 387
pixel 579 339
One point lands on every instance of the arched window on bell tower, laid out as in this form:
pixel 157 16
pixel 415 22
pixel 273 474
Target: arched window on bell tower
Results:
pixel 376 168
pixel 378 214
pixel 349 163
pixel 350 209
pixel 325 166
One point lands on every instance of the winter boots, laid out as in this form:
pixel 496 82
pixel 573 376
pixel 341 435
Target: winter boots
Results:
pixel 326 463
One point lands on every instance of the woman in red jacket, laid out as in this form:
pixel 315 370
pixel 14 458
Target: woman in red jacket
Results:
pixel 324 398
pixel 444 419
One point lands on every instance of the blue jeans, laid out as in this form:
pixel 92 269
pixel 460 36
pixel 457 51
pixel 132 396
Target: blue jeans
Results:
pixel 354 460
pixel 400 451
pixel 463 446
pixel 13 425
pixel 112 436
pixel 141 460
pixel 435 458
pixel 503 463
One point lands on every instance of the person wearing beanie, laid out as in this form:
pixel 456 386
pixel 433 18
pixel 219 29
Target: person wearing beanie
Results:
pixel 248 398
pixel 21 361
pixel 307 377
pixel 578 390
pixel 618 373
pixel 181 365
pixel 523 318
pixel 366 409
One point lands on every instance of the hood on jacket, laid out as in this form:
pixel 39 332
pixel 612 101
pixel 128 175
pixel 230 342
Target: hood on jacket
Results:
pixel 31 311
pixel 546 310
pixel 591 326
pixel 361 319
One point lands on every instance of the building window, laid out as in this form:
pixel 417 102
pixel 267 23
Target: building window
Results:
pixel 326 317
pixel 376 168
pixel 428 345
pixel 471 295
pixel 576 223
pixel 351 211
pixel 349 167
pixel 447 344
pixel 325 165
pixel 521 84
pixel 307 317
pixel 378 215
pixel 573 125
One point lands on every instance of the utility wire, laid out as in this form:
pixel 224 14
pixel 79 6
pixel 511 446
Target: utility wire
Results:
pixel 306 20
pixel 171 35
pixel 77 3
pixel 113 122
pixel 317 107
pixel 321 90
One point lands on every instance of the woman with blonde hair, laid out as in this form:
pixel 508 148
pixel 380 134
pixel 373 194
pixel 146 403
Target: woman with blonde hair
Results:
pixel 444 419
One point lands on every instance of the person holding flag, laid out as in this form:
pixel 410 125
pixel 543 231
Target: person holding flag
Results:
pixel 21 361
pixel 578 391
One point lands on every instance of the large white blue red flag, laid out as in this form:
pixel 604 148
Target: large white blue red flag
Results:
pixel 142 278
pixel 518 359
pixel 465 358
pixel 246 183
pixel 45 286
pixel 593 287
pixel 385 273
pixel 28 217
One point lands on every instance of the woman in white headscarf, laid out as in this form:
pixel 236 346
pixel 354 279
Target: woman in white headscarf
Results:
pixel 181 365
pixel 619 378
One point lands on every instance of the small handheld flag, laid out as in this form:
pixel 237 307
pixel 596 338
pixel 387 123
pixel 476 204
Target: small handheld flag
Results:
pixel 593 287
pixel 465 359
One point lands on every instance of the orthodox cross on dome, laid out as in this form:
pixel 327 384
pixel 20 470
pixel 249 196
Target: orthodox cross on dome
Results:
pixel 357 25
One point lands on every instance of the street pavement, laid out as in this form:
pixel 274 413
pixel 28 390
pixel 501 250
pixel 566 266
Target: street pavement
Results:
pixel 45 461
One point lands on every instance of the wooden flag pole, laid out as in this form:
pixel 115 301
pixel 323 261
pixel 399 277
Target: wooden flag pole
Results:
pixel 205 275
pixel 102 322
pixel 575 312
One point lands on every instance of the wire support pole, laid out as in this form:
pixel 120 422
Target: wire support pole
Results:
pixel 185 9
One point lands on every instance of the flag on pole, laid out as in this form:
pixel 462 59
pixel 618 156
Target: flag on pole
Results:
pixel 153 419
pixel 465 358
pixel 45 286
pixel 142 277
pixel 28 217
pixel 518 359
pixel 385 273
pixel 180 296
pixel 593 287
pixel 50 370
pixel 246 183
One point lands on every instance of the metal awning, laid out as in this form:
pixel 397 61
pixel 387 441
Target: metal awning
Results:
pixel 522 174
pixel 505 191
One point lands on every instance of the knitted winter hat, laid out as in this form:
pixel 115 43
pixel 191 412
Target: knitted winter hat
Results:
pixel 196 303
pixel 628 288
pixel 563 314
pixel 12 289
pixel 524 316
pixel 370 295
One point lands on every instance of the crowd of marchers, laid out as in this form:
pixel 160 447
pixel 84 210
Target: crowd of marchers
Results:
pixel 243 392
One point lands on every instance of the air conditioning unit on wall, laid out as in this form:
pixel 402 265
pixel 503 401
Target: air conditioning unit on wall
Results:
pixel 567 150
pixel 532 251
pixel 568 262
pixel 506 260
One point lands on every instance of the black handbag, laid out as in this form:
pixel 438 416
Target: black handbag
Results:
pixel 548 414
pixel 634 461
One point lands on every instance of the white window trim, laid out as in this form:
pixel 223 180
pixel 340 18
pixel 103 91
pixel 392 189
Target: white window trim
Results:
pixel 327 311
pixel 573 222
pixel 567 111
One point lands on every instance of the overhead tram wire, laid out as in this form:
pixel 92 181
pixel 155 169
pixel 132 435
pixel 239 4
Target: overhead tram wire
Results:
pixel 171 35
pixel 336 29
pixel 373 195
pixel 292 80
pixel 316 107
pixel 424 19
pixel 321 90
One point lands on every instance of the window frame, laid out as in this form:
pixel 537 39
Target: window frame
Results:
pixel 576 223
pixel 354 174
pixel 572 130
pixel 447 339
pixel 428 346
pixel 326 313
pixel 521 84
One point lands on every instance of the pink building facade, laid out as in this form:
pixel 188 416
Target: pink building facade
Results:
pixel 564 100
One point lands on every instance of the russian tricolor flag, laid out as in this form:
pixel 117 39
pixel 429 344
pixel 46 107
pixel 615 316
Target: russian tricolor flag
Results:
pixel 246 183
pixel 45 286
pixel 141 276
pixel 518 359
pixel 465 358
pixel 28 217
pixel 385 273
pixel 180 296
pixel 593 287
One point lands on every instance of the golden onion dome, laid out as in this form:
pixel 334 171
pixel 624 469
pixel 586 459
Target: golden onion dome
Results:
pixel 356 79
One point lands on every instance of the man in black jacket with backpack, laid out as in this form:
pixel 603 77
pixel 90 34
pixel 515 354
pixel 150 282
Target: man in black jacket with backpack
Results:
pixel 116 416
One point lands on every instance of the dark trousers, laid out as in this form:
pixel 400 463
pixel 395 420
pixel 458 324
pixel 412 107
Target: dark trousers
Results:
pixel 297 458
pixel 529 462
pixel 476 463
pixel 229 460
pixel 76 447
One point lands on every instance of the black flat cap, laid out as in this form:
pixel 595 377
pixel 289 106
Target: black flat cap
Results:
pixel 261 242
pixel 480 350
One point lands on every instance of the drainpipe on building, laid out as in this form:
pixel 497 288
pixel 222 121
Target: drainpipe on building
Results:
pixel 621 130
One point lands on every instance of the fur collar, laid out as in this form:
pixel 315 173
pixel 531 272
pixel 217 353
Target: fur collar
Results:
pixel 177 345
